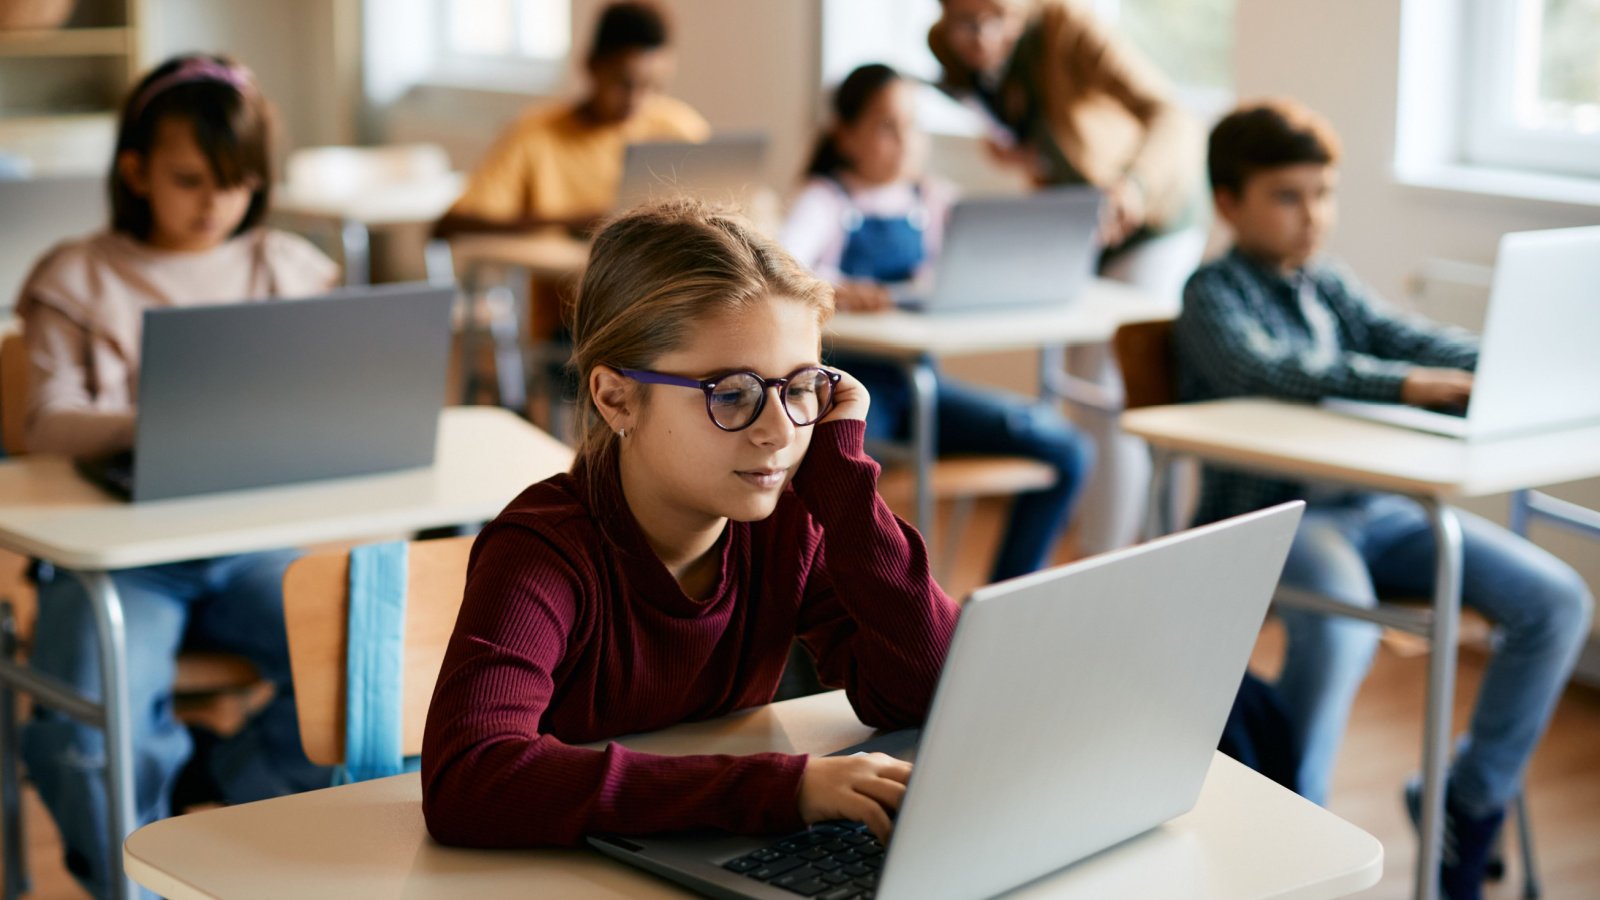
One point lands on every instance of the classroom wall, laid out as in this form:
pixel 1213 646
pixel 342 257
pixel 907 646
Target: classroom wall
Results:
pixel 304 54
pixel 1343 59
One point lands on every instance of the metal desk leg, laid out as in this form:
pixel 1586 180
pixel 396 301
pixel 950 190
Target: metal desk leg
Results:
pixel 1157 511
pixel 121 810
pixel 924 433
pixel 1446 627
pixel 16 876
pixel 355 239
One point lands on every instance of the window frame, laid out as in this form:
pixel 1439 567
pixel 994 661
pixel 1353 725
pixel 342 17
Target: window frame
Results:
pixel 1498 35
pixel 515 71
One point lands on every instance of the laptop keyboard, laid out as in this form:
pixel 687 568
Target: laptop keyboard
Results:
pixel 831 861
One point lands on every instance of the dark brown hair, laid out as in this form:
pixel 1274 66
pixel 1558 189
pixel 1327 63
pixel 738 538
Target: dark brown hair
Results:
pixel 655 273
pixel 232 126
pixel 630 25
pixel 854 94
pixel 1269 134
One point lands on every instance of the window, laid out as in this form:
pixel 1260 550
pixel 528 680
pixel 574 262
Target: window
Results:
pixel 520 44
pixel 1535 73
pixel 1190 40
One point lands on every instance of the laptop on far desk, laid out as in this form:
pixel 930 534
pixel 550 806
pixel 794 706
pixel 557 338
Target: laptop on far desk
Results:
pixel 1011 252
pixel 726 169
pixel 255 394
pixel 1077 708
pixel 1539 364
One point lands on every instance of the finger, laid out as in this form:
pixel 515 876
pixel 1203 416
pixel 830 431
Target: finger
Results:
pixel 887 792
pixel 895 770
pixel 868 812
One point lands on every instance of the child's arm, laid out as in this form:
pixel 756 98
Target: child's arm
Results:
pixel 62 417
pixel 873 616
pixel 492 778
pixel 1220 334
pixel 1394 335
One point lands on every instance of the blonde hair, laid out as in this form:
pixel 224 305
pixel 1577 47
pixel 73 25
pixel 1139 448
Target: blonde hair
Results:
pixel 657 271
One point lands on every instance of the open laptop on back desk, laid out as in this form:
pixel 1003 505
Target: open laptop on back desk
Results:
pixel 1538 366
pixel 254 394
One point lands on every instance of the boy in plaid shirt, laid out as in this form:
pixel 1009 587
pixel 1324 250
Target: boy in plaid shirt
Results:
pixel 1272 318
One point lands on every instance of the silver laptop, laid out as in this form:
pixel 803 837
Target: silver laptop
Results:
pixel 1538 367
pixel 38 213
pixel 254 394
pixel 726 169
pixel 1078 708
pixel 1034 250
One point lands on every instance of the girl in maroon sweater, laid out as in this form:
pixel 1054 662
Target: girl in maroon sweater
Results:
pixel 720 506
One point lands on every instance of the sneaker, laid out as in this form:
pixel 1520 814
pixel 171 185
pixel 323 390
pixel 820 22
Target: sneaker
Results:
pixel 1467 844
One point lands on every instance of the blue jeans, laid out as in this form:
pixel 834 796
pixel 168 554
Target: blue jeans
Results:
pixel 972 420
pixel 233 603
pixel 1363 545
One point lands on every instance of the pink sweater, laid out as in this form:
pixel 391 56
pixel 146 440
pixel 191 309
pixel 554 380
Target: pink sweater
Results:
pixel 573 631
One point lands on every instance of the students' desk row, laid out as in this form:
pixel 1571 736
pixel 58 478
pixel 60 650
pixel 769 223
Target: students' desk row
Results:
pixel 486 457
pixel 912 340
pixel 1246 837
pixel 1306 443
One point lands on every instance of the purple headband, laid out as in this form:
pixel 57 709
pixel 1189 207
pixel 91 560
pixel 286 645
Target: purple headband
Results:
pixel 197 69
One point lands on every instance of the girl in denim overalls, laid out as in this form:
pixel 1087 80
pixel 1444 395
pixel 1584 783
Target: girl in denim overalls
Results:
pixel 865 220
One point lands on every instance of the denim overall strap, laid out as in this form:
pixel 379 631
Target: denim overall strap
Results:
pixel 375 664
pixel 883 248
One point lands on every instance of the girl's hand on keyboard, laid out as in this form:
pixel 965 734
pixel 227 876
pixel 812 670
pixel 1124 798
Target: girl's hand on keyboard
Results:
pixel 864 788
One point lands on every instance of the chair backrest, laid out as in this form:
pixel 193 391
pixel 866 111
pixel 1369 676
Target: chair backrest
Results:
pixel 316 609
pixel 13 393
pixel 1146 358
pixel 337 171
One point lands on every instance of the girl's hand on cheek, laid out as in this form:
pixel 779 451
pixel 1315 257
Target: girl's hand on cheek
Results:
pixel 850 400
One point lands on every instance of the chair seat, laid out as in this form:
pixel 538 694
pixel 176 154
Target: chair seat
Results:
pixel 209 672
pixel 969 476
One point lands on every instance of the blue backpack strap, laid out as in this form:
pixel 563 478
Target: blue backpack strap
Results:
pixel 375 664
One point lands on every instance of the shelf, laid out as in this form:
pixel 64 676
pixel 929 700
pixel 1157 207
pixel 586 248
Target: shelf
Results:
pixel 65 42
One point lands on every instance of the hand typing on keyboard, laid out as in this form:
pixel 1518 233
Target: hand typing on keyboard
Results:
pixel 864 788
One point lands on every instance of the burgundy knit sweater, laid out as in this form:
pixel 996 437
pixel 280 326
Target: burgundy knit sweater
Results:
pixel 573 631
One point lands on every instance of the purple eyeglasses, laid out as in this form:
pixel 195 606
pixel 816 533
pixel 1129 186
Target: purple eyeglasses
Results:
pixel 734 401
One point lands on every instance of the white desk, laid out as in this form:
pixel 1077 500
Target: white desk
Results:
pixel 355 214
pixel 913 339
pixel 1305 443
pixel 485 458
pixel 1246 837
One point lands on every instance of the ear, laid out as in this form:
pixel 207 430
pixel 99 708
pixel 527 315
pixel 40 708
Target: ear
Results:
pixel 1227 203
pixel 130 168
pixel 615 396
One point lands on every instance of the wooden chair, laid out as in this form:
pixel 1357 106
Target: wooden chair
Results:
pixel 316 609
pixel 1148 360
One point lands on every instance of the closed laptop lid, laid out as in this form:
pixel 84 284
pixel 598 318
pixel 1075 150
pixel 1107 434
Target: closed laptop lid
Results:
pixel 254 394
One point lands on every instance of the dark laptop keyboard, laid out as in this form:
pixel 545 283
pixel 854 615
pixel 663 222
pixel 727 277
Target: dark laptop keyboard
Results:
pixel 832 861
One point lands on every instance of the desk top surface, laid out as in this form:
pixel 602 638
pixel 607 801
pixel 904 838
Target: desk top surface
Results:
pixel 486 457
pixel 1091 318
pixel 1246 837
pixel 1306 442
pixel 399 203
